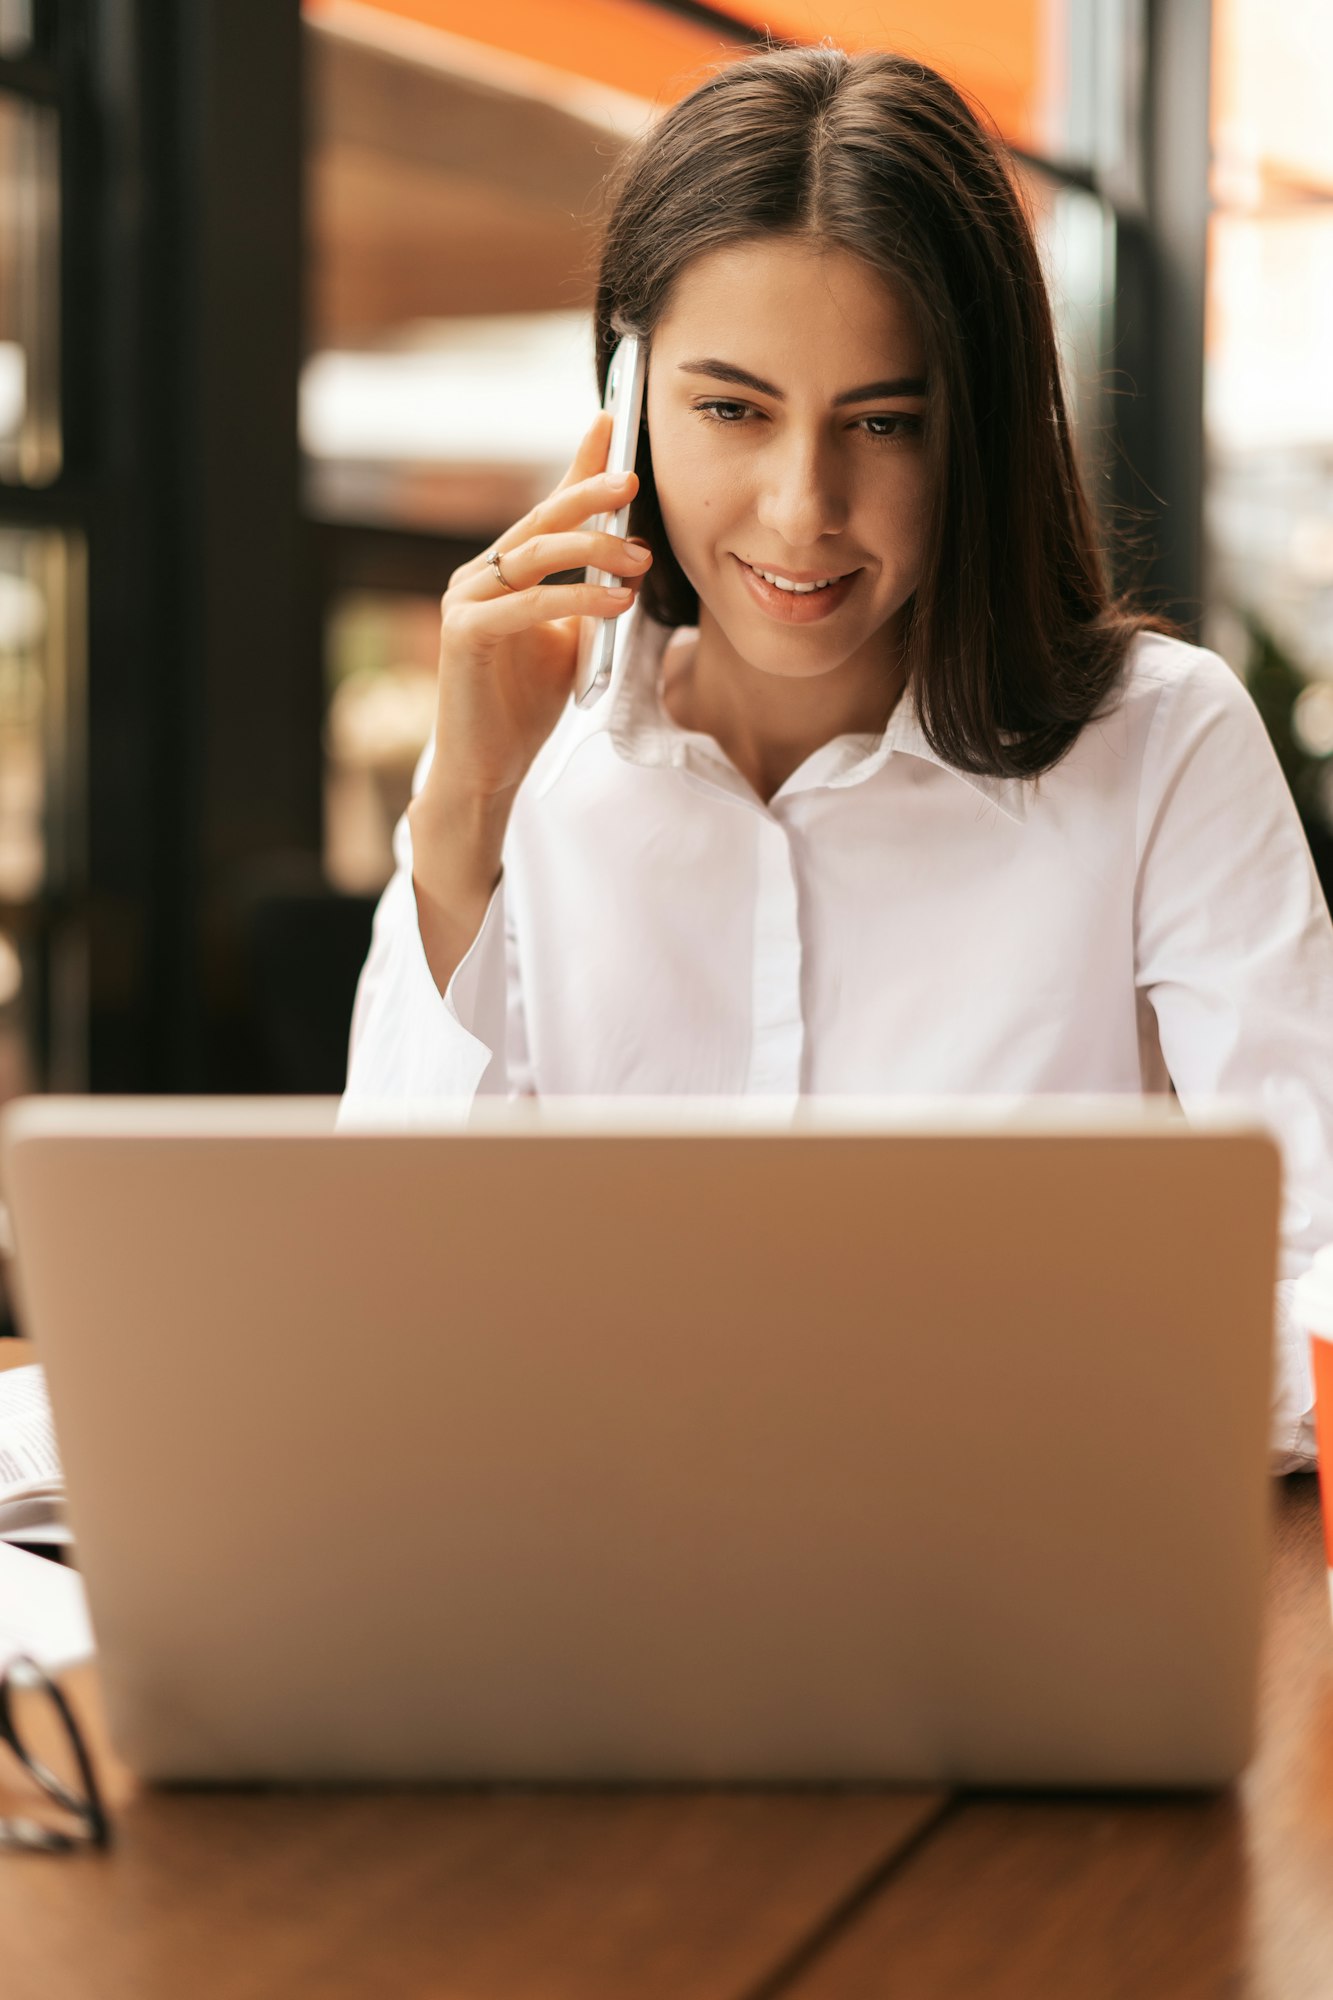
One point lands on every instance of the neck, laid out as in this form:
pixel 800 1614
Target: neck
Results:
pixel 768 724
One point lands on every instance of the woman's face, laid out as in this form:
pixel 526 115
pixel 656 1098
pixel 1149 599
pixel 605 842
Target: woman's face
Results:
pixel 786 398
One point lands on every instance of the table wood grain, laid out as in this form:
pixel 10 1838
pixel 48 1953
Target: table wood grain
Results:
pixel 505 1895
pixel 419 1895
pixel 1100 1899
pixel 340 1895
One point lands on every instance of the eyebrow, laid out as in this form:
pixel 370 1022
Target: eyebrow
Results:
pixel 726 371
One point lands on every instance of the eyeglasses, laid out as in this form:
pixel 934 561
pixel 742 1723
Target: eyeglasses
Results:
pixel 80 1796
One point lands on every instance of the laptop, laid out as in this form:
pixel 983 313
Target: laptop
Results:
pixel 662 1442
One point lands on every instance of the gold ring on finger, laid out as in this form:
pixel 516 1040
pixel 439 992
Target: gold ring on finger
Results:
pixel 493 558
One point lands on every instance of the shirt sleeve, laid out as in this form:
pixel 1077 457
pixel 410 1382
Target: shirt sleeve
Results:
pixel 1234 952
pixel 418 1056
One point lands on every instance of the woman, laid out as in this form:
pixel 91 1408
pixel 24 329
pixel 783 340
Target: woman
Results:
pixel 888 793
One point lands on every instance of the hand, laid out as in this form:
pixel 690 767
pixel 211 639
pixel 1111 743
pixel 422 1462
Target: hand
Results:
pixel 507 655
pixel 507 658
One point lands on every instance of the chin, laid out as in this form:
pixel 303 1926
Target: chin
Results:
pixel 793 656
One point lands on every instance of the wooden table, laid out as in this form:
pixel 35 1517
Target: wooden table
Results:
pixel 925 1895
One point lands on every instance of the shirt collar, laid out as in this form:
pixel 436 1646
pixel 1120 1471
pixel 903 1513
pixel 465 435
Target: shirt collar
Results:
pixel 632 715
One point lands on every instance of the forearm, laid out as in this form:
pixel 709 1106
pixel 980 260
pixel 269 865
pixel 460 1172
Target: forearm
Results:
pixel 457 848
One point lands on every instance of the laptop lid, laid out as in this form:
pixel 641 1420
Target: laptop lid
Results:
pixel 680 1442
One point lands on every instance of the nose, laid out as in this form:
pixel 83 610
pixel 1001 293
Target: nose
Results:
pixel 802 495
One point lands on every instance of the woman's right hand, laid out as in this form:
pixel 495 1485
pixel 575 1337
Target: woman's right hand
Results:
pixel 508 649
pixel 507 659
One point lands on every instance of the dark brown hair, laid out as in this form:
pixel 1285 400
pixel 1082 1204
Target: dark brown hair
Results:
pixel 1014 639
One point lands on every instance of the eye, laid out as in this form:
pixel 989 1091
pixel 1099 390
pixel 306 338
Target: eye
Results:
pixel 892 429
pixel 719 410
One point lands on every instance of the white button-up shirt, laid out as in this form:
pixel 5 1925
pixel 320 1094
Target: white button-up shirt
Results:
pixel 1144 916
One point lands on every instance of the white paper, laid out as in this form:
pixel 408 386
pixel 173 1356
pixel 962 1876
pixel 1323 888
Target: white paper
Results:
pixel 43 1611
pixel 31 1481
pixel 28 1455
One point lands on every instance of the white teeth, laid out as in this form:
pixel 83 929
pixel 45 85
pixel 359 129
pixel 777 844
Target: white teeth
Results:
pixel 801 589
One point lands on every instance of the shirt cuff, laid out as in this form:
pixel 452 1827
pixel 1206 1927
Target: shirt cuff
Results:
pixel 419 1058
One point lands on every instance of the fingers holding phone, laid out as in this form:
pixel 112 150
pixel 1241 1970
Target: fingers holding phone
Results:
pixel 509 647
pixel 521 568
pixel 509 638
pixel 512 642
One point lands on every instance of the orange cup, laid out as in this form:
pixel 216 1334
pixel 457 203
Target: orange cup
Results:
pixel 1314 1306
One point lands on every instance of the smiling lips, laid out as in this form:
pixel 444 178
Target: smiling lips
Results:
pixel 793 598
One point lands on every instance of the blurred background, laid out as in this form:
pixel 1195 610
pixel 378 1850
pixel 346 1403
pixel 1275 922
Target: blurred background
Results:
pixel 294 317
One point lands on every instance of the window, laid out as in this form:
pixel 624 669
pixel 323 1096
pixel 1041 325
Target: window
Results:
pixel 1269 401
pixel 30 441
pixel 43 594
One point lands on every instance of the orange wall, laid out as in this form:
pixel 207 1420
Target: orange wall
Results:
pixel 991 47
pixel 635 47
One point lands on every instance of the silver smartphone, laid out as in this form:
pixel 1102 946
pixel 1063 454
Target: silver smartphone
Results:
pixel 624 398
